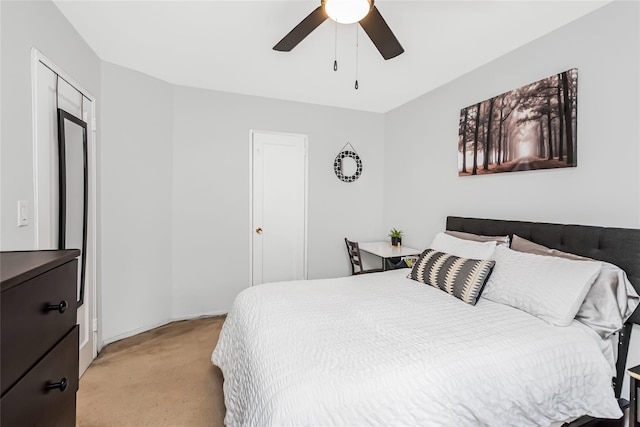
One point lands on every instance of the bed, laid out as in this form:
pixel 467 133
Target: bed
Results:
pixel 382 349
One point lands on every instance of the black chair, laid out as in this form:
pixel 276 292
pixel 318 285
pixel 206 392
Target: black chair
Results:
pixel 356 259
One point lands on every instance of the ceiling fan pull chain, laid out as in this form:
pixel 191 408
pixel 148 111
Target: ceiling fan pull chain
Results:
pixel 356 85
pixel 335 50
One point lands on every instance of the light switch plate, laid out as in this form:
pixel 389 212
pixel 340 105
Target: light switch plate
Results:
pixel 23 213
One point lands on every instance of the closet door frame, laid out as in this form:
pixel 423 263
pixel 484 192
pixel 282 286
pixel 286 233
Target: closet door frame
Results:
pixel 44 238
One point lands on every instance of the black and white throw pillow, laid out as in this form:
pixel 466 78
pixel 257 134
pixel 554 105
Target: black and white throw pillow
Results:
pixel 461 277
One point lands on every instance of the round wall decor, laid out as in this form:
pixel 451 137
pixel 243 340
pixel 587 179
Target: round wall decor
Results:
pixel 337 164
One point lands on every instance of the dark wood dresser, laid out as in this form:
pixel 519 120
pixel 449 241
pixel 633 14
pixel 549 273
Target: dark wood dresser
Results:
pixel 39 338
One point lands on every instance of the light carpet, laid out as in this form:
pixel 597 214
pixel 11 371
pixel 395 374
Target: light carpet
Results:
pixel 162 377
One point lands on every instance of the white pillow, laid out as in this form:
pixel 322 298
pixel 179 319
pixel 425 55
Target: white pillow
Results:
pixel 463 248
pixel 610 300
pixel 547 287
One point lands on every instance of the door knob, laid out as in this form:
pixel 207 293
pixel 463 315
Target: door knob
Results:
pixel 259 230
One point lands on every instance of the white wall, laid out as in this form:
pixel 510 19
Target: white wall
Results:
pixel 603 190
pixel 27 24
pixel 211 228
pixel 174 168
pixel 135 166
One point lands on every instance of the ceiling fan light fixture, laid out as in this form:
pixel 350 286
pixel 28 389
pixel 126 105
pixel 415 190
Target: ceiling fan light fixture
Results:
pixel 347 11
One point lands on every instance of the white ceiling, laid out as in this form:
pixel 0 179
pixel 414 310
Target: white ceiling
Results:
pixel 227 45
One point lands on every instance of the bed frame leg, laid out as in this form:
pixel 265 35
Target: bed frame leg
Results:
pixel 623 346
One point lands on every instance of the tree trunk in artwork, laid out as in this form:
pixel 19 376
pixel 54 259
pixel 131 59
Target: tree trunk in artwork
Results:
pixel 540 139
pixel 487 144
pixel 505 148
pixel 484 141
pixel 507 105
pixel 500 138
pixel 464 140
pixel 549 130
pixel 505 141
pixel 560 121
pixel 567 118
pixel 474 171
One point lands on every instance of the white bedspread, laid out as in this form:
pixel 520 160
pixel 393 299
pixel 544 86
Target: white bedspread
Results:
pixel 385 350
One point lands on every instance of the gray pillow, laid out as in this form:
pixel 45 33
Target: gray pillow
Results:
pixel 610 300
pixel 500 240
pixel 461 277
pixel 523 245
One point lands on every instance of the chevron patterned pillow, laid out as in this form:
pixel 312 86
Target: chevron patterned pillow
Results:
pixel 461 277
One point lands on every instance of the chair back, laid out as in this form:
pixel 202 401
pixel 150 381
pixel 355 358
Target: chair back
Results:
pixel 354 256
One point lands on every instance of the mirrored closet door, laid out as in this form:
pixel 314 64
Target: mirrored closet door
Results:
pixel 73 189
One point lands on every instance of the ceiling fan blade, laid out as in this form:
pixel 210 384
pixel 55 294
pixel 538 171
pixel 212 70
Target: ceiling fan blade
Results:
pixel 302 30
pixel 380 34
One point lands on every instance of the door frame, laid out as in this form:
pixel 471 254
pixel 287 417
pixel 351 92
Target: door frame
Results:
pixel 38 208
pixel 305 138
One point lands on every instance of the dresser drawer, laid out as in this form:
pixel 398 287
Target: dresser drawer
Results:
pixel 28 330
pixel 30 403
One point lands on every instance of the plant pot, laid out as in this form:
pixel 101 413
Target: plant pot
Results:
pixel 396 241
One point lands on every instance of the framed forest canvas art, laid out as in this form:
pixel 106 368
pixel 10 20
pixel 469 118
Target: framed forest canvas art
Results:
pixel 533 127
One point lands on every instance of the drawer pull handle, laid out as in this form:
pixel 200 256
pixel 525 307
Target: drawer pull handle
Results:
pixel 62 307
pixel 62 385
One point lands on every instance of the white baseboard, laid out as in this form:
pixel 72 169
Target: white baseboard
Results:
pixel 200 316
pixel 157 325
pixel 134 332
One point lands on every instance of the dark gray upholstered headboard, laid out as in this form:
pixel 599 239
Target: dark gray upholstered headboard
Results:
pixel 619 246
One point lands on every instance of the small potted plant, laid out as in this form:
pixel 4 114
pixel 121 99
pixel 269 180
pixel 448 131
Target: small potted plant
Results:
pixel 396 237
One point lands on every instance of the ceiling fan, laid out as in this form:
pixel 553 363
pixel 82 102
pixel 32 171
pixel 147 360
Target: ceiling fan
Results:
pixel 346 12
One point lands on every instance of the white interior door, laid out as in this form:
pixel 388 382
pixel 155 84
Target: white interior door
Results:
pixel 50 93
pixel 279 171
